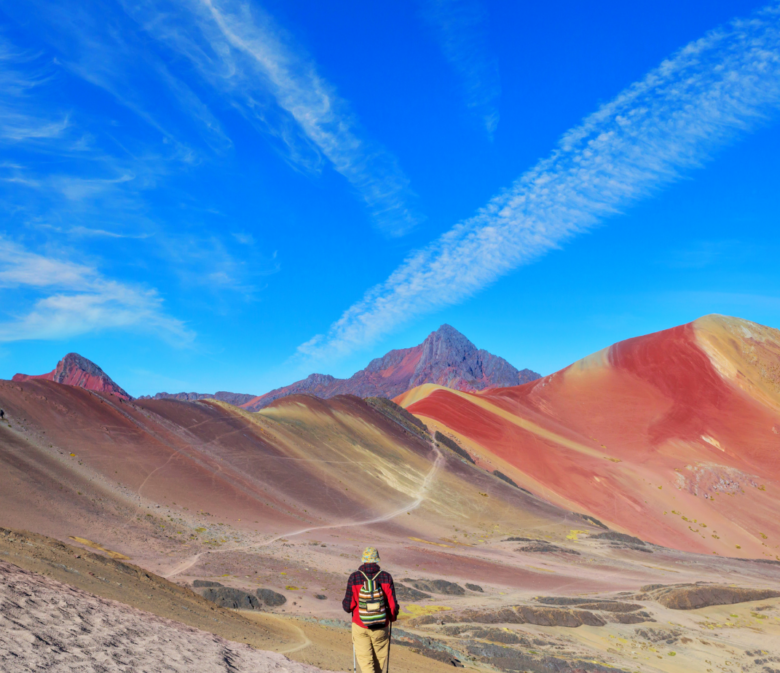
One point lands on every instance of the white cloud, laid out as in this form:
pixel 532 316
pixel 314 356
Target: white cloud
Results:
pixel 671 121
pixel 78 300
pixel 462 32
pixel 245 55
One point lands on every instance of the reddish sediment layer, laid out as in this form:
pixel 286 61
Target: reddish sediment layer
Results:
pixel 673 437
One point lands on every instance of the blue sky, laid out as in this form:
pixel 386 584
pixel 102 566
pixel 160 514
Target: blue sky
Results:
pixel 222 195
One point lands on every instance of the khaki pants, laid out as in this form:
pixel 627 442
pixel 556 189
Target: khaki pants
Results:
pixel 371 648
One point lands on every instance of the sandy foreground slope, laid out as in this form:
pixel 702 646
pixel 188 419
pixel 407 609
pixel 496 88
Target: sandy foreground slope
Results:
pixel 66 609
pixel 50 626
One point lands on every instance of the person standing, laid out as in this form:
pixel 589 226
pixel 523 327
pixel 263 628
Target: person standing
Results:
pixel 370 597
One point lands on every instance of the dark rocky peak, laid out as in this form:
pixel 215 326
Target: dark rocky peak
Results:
pixel 447 347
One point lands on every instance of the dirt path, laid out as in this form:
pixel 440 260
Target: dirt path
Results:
pixel 421 495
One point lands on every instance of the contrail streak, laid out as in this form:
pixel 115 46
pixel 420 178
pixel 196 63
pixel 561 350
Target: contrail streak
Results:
pixel 701 98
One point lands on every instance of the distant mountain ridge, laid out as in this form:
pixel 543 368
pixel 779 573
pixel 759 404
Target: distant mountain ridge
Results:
pixel 236 399
pixel 75 370
pixel 446 357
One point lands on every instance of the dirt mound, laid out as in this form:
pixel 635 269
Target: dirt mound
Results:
pixel 517 614
pixel 233 599
pixel 50 626
pixel 694 596
pixel 437 587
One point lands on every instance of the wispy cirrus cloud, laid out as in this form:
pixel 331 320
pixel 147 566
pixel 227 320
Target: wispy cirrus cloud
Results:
pixel 699 99
pixel 21 73
pixel 241 51
pixel 461 28
pixel 74 299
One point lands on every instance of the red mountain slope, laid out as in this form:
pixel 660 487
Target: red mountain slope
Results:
pixel 74 370
pixel 446 357
pixel 673 436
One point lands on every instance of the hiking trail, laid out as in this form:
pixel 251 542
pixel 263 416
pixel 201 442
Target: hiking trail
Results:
pixel 421 493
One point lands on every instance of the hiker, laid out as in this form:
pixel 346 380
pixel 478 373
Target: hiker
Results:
pixel 370 597
pixel 2 414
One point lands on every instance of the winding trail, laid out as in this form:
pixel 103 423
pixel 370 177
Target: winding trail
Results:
pixel 186 565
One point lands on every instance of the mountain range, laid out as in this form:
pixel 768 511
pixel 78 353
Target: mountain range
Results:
pixel 446 358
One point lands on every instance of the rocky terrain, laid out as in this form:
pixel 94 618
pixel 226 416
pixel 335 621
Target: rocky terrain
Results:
pixel 46 625
pixel 74 370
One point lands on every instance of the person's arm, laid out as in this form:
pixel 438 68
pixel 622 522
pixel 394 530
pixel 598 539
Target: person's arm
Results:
pixel 392 601
pixel 348 604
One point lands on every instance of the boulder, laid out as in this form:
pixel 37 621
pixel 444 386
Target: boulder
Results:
pixel 271 598
pixel 234 599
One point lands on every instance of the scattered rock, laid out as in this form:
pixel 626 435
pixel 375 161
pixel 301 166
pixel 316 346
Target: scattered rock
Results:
pixel 271 598
pixel 398 414
pixel 618 537
pixel 452 446
pixel 202 584
pixel 590 603
pixel 404 593
pixel 510 659
pixel 475 587
pixel 694 596
pixel 428 647
pixel 509 481
pixel 518 614
pixel 593 520
pixel 320 597
pixel 542 547
pixel 235 599
pixel 437 587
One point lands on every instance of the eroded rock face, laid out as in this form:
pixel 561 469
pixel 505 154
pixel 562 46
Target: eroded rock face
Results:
pixel 234 599
pixel 437 587
pixel 694 596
